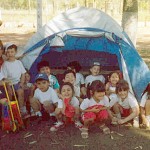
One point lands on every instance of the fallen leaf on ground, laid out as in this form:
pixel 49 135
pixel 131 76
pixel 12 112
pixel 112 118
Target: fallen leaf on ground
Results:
pixel 33 142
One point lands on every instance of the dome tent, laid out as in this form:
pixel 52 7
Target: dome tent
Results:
pixel 87 35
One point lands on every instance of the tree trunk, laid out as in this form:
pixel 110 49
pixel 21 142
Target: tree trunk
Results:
pixel 130 18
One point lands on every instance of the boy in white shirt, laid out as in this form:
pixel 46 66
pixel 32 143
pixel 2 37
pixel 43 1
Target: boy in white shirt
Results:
pixel 95 74
pixel 124 104
pixel 44 67
pixel 44 96
pixel 14 71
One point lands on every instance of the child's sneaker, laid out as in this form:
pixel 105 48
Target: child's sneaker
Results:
pixel 57 126
pixel 78 124
pixel 84 133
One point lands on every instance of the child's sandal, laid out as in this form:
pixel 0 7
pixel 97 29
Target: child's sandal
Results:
pixel 84 133
pixel 105 129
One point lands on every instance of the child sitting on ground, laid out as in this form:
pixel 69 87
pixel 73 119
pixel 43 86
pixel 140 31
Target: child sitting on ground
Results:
pixel 45 98
pixel 14 71
pixel 95 74
pixel 124 104
pixel 44 67
pixel 95 108
pixel 75 66
pixel 145 108
pixel 70 107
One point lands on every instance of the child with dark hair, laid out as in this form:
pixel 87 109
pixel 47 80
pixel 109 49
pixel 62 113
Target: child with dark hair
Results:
pixel 76 67
pixel 95 108
pixel 44 67
pixel 70 106
pixel 14 71
pixel 125 105
pixel 44 96
pixel 145 108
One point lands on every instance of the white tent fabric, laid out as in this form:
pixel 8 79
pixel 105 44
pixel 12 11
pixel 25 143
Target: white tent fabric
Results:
pixel 77 18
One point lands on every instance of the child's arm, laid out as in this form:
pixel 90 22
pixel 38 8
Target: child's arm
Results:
pixel 135 113
pixel 142 111
pixel 94 109
pixel 22 79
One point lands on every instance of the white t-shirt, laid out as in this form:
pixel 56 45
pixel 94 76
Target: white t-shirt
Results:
pixel 79 79
pixel 91 102
pixel 91 78
pixel 129 102
pixel 13 70
pixel 144 99
pixel 50 95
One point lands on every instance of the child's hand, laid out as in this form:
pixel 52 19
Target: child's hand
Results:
pixel 121 121
pixel 3 101
pixel 95 109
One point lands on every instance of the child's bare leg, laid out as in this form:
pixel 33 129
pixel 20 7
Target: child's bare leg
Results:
pixel 116 109
pixel 78 124
pixel 147 112
pixel 58 113
pixel 35 104
pixel 20 93
pixel 147 108
pixel 50 108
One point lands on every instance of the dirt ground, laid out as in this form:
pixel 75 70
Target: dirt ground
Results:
pixel 38 136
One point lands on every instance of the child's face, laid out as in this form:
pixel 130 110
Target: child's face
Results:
pixel 11 53
pixel 66 91
pixel 95 70
pixel 45 70
pixel 42 85
pixel 123 94
pixel 70 78
pixel 27 77
pixel 114 78
pixel 98 95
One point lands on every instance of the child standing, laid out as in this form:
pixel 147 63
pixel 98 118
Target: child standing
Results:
pixel 145 108
pixel 44 96
pixel 70 106
pixel 95 108
pixel 124 105
pixel 44 67
pixel 95 70
pixel 14 71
